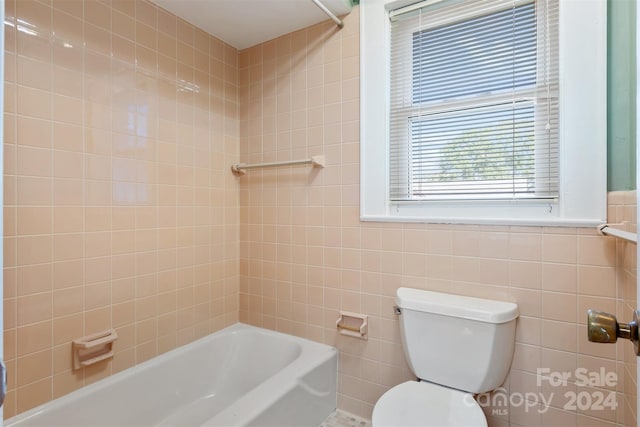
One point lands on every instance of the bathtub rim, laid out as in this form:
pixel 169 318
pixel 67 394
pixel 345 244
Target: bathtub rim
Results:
pixel 315 351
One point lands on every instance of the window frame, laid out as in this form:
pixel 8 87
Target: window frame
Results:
pixel 582 129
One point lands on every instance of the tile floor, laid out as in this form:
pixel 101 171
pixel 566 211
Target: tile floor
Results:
pixel 344 419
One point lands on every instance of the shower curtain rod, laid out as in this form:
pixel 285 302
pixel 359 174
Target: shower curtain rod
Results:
pixel 333 17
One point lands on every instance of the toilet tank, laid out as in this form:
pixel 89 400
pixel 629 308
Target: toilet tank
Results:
pixel 460 342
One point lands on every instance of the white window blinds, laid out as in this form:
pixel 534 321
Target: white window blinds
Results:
pixel 474 100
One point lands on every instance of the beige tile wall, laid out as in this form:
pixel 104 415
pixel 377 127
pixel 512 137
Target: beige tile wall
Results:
pixel 121 123
pixel 623 211
pixel 305 255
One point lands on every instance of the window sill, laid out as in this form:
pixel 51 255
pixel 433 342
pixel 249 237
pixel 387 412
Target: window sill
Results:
pixel 533 222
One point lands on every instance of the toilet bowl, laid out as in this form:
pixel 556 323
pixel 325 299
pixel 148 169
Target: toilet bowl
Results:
pixel 457 346
pixel 421 403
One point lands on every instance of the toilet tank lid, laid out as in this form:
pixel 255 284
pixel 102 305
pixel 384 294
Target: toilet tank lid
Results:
pixel 479 309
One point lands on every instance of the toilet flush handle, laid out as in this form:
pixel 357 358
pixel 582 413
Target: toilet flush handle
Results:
pixel 604 328
pixel 396 310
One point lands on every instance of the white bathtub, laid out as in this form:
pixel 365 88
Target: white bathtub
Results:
pixel 239 376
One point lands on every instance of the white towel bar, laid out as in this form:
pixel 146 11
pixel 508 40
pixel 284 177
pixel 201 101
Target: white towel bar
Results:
pixel 606 229
pixel 316 161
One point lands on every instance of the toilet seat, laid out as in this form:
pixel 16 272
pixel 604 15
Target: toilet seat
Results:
pixel 416 403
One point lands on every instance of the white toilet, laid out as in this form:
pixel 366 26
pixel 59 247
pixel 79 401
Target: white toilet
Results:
pixel 456 346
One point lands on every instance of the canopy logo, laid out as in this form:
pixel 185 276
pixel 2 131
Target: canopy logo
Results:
pixel 500 400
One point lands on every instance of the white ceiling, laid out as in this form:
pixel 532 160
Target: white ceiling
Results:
pixel 245 23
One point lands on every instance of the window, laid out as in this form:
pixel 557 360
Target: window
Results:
pixel 484 121
pixel 474 102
